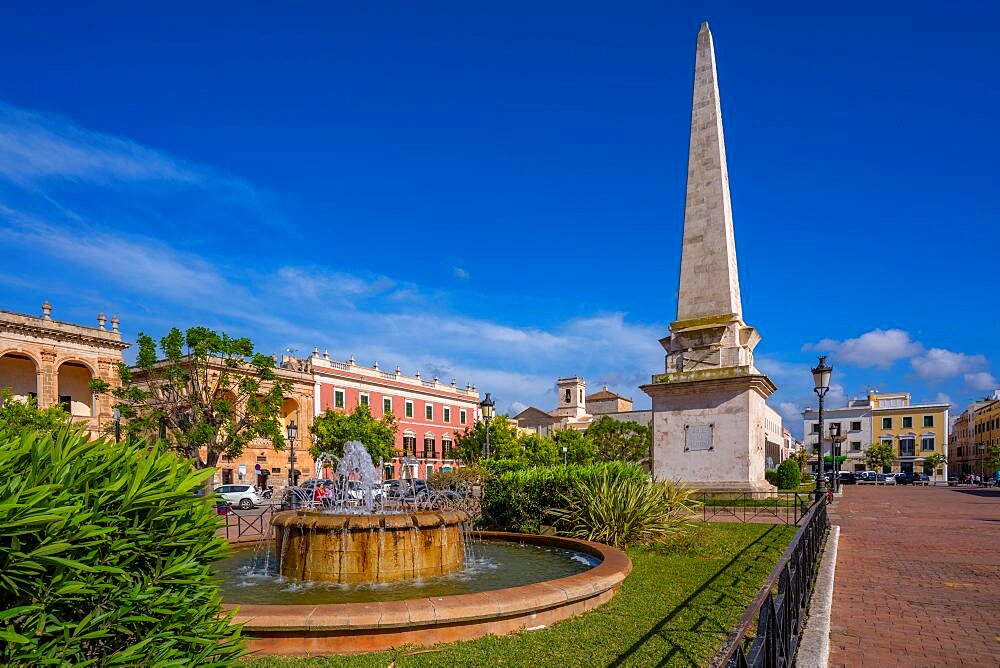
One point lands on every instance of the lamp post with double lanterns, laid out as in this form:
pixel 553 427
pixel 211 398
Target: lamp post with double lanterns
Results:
pixel 981 448
pixel 487 407
pixel 821 379
pixel 292 431
pixel 836 442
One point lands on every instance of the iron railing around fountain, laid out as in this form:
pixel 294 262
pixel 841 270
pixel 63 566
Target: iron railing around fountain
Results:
pixel 758 507
pixel 768 633
pixel 255 523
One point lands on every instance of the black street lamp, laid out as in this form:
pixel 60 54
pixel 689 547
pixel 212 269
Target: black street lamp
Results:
pixel 293 431
pixel 821 378
pixel 981 448
pixel 487 406
pixel 835 440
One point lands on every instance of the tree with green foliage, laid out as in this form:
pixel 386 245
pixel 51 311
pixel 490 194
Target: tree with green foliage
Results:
pixel 106 555
pixel 802 457
pixel 207 391
pixel 932 462
pixel 539 450
pixel 879 455
pixel 615 440
pixel 334 429
pixel 992 460
pixel 788 475
pixel 18 415
pixel 470 445
pixel 579 446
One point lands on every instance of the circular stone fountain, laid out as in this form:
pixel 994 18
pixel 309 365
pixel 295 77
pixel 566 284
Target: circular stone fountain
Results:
pixel 365 539
pixel 358 549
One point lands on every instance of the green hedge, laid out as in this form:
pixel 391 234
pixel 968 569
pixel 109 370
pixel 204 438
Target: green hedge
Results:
pixel 105 556
pixel 517 500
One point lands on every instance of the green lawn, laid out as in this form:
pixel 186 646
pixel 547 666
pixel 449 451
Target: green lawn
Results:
pixel 675 608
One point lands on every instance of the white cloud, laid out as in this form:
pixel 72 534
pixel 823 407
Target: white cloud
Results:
pixel 878 348
pixel 938 363
pixel 942 398
pixel 516 408
pixel 980 381
pixel 460 273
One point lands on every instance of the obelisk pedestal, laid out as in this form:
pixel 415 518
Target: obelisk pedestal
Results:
pixel 709 402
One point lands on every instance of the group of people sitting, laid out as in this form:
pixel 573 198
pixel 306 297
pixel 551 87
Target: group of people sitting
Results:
pixel 323 495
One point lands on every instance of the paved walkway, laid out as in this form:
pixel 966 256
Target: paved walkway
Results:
pixel 918 577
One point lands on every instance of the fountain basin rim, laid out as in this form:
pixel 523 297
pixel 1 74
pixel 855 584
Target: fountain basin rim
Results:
pixel 598 584
pixel 316 519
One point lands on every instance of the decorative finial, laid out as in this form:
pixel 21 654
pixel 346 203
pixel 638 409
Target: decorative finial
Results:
pixel 47 310
pixel 397 370
pixel 704 27
pixel 417 375
pixel 453 382
pixel 315 351
pixel 326 353
pixel 375 364
pixel 101 319
pixel 114 323
pixel 351 360
pixel 435 378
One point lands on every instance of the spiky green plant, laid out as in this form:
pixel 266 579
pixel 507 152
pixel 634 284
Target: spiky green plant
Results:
pixel 621 510
pixel 105 556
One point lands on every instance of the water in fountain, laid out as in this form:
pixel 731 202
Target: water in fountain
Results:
pixel 356 467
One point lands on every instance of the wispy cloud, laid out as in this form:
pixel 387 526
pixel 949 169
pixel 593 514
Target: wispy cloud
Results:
pixel 980 381
pixel 938 363
pixel 877 348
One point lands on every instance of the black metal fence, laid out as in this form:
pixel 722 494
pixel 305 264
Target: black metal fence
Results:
pixel 769 631
pixel 762 507
pixel 249 524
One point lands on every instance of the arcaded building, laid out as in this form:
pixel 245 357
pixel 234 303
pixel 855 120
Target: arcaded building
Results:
pixel 54 361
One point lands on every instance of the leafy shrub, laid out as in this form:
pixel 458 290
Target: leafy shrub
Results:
pixel 517 500
pixel 771 475
pixel 620 510
pixel 105 556
pixel 788 475
pixel 460 479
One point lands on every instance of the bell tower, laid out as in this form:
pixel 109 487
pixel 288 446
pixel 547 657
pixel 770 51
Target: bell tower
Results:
pixel 572 394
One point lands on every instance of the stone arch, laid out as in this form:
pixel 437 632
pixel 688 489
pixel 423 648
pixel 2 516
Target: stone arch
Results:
pixel 73 383
pixel 19 373
pixel 290 411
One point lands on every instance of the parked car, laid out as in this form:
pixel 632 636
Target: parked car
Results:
pixel 413 488
pixel 356 491
pixel 886 478
pixel 391 489
pixel 244 496
pixel 911 478
pixel 846 478
pixel 867 477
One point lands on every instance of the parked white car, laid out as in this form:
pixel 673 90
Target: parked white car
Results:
pixel 244 496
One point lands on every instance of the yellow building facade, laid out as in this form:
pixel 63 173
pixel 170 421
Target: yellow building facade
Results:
pixel 985 434
pixel 914 431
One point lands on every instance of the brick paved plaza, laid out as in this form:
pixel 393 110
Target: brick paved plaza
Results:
pixel 918 577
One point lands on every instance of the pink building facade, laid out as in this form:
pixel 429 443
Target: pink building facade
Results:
pixel 429 413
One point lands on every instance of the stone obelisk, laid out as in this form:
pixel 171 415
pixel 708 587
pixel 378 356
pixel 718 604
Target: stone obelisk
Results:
pixel 709 404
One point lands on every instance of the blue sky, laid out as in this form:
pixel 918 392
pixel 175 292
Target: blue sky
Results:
pixel 496 193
